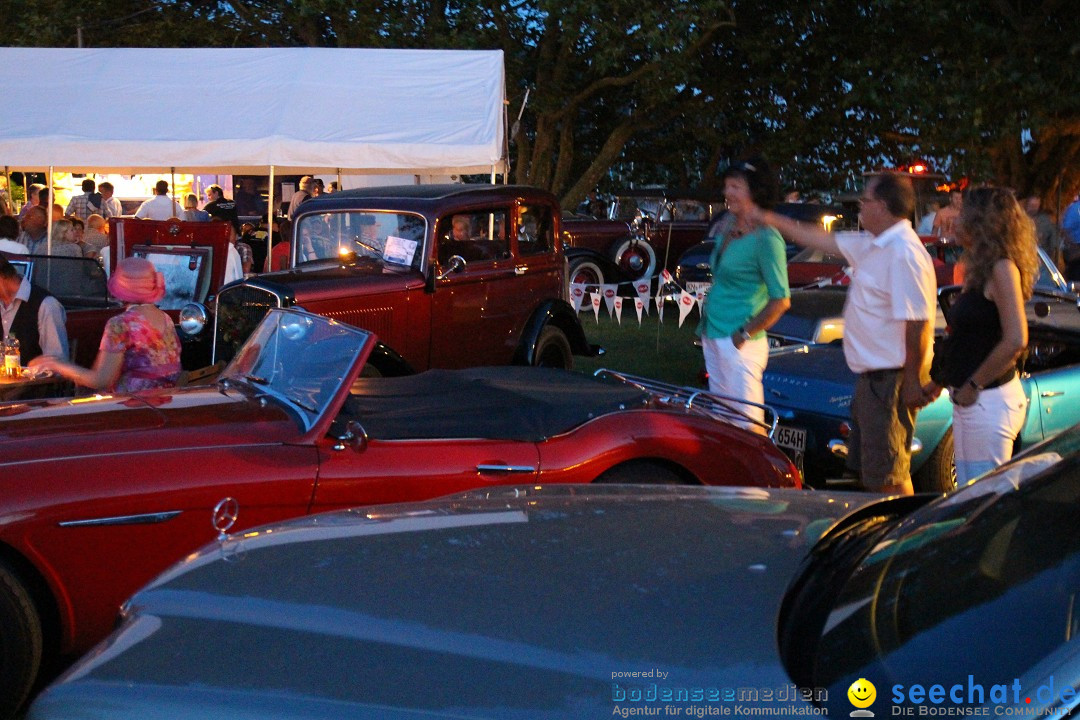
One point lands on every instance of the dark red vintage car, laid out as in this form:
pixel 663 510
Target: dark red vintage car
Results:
pixel 647 230
pixel 448 275
pixel 100 494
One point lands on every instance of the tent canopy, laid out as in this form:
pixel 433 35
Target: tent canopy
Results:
pixel 302 110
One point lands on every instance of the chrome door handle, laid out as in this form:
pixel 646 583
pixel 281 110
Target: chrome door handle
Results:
pixel 520 270
pixel 1052 393
pixel 505 469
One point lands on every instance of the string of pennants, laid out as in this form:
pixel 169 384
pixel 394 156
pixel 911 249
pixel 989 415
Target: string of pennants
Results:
pixel 614 302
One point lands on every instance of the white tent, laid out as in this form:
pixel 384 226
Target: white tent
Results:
pixel 297 110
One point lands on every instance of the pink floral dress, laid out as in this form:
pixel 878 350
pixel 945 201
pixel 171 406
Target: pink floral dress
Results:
pixel 151 358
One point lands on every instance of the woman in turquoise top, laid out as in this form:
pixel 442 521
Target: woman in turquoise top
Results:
pixel 749 292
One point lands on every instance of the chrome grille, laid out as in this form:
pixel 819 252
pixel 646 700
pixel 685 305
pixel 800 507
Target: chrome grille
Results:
pixel 239 310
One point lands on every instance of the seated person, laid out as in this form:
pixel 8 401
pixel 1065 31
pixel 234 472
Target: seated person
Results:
pixel 35 317
pixel 315 243
pixel 140 349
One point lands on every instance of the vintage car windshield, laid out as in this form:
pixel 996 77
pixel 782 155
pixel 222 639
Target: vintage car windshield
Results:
pixel 299 358
pixel 935 597
pixel 74 281
pixel 186 271
pixel 392 239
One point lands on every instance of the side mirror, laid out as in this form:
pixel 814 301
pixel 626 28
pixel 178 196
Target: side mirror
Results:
pixel 354 437
pixel 455 264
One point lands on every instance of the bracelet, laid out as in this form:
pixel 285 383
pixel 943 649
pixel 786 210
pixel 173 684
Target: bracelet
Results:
pixel 742 332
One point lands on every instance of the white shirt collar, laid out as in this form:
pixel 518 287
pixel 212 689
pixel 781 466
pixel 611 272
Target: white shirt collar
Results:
pixel 893 231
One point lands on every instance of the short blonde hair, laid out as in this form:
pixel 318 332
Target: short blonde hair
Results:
pixel 191 199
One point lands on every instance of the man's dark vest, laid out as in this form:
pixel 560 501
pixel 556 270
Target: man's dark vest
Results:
pixel 25 325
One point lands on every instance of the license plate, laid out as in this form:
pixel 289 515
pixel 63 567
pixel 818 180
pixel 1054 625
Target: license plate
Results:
pixel 790 438
pixel 793 442
pixel 696 288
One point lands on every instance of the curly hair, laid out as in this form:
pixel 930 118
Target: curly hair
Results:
pixel 997 227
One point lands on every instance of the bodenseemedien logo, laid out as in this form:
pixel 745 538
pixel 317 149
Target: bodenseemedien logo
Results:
pixel 862 694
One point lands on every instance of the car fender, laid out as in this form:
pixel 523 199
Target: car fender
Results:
pixel 560 314
pixel 931 424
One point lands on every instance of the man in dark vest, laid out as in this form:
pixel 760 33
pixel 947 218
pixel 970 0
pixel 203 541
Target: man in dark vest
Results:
pixel 34 316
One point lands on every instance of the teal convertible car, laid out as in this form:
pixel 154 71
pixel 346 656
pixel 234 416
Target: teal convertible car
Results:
pixel 810 387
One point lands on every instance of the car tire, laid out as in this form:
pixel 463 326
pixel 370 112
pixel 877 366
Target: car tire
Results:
pixel 640 472
pixel 938 475
pixel 553 350
pixel 586 272
pixel 635 258
pixel 21 642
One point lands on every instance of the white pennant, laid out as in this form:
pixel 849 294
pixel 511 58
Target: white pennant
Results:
pixel 642 287
pixel 639 305
pixel 659 300
pixel 577 295
pixel 666 276
pixel 594 298
pixel 686 304
pixel 610 293
pixel 618 303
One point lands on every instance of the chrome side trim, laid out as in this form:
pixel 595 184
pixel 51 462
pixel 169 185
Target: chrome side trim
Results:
pixel 146 519
pixel 505 469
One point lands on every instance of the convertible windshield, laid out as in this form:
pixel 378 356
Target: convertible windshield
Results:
pixel 394 239
pixel 982 584
pixel 299 358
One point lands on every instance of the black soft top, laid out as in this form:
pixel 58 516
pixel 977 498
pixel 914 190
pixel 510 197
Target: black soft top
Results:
pixel 500 403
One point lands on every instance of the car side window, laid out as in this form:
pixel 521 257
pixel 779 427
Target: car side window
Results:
pixel 475 236
pixel 535 230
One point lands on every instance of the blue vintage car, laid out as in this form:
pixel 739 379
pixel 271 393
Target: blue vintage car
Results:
pixel 810 387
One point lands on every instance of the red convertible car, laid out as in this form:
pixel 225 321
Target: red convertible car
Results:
pixel 102 493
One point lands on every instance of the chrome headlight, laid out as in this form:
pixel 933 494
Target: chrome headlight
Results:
pixel 193 319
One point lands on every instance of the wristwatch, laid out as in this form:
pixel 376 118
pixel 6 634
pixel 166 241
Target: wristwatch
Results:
pixel 742 332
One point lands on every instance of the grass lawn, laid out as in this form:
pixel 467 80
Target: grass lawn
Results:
pixel 662 351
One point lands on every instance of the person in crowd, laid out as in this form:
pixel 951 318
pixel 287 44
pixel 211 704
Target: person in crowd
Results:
pixel 749 293
pixel 888 318
pixel 334 187
pixel 945 218
pixel 96 236
pixel 5 203
pixel 84 205
pixel 318 187
pixel 35 231
pixel 300 196
pixel 248 200
pixel 1046 232
pixel 462 228
pixel 139 349
pixel 280 254
pixel 221 208
pixel 977 360
pixel 255 238
pixel 33 199
pixel 9 231
pixel 161 206
pixel 36 318
pixel 110 206
pixel 192 213
pixel 64 240
pixel 926 222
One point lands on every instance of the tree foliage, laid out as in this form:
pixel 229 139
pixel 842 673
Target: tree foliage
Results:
pixel 624 92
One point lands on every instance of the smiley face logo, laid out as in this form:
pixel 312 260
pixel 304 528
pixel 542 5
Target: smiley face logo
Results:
pixel 862 693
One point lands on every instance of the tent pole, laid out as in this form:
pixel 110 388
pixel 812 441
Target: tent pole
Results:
pixel 339 179
pixel 25 189
pixel 172 184
pixel 7 186
pixel 492 174
pixel 270 215
pixel 48 214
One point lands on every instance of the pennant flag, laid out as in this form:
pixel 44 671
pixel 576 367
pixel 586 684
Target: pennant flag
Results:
pixel 610 293
pixel 701 295
pixel 686 304
pixel 642 288
pixel 659 300
pixel 618 309
pixel 639 305
pixel 594 298
pixel 577 295
pixel 666 276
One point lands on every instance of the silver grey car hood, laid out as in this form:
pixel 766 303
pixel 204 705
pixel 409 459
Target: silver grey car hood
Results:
pixel 516 603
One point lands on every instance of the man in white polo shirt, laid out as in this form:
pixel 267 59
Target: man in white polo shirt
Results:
pixel 888 321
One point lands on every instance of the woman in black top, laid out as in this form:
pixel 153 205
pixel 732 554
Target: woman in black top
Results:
pixel 987 331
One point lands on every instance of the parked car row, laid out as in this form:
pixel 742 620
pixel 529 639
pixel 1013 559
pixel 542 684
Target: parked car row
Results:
pixel 568 601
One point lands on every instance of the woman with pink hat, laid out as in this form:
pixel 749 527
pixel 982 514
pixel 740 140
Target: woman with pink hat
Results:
pixel 140 349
